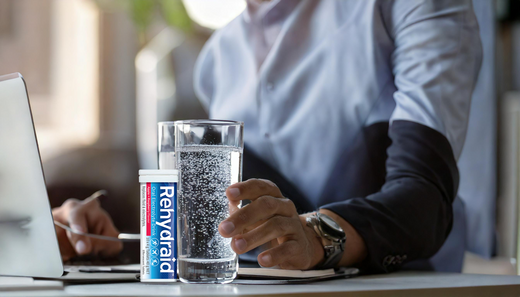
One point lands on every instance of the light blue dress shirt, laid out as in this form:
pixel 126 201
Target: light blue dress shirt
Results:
pixel 329 68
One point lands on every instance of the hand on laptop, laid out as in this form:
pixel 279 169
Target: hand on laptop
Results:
pixel 85 216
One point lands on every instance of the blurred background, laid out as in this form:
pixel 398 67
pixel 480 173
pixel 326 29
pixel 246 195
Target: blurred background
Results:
pixel 102 73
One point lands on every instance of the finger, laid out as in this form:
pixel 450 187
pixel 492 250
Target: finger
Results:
pixel 66 249
pixel 253 189
pixel 100 223
pixel 233 206
pixel 260 209
pixel 98 220
pixel 104 247
pixel 275 227
pixel 78 221
pixel 282 256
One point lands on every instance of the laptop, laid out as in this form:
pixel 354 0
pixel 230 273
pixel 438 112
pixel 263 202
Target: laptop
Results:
pixel 28 243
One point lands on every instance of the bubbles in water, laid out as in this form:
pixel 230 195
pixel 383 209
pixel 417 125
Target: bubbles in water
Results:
pixel 206 172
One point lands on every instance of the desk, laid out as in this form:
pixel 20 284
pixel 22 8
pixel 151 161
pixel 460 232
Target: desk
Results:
pixel 396 284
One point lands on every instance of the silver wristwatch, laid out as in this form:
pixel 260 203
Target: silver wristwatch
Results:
pixel 332 237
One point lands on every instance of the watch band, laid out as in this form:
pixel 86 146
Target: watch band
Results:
pixel 331 261
pixel 333 239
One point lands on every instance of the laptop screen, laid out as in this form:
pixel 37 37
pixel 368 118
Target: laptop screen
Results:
pixel 28 244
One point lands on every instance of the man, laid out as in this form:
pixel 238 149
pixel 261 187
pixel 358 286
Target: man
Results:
pixel 355 109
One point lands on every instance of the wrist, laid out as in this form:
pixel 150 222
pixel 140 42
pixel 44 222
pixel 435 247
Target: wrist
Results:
pixel 355 249
pixel 332 237
pixel 318 252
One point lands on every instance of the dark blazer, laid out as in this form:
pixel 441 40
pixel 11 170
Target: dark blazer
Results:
pixel 403 209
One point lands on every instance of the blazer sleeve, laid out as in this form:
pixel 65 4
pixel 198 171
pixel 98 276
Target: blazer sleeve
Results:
pixel 411 216
pixel 436 60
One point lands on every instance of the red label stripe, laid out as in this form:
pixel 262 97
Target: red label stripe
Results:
pixel 148 210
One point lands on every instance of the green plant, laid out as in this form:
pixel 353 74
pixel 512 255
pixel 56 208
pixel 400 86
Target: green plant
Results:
pixel 143 12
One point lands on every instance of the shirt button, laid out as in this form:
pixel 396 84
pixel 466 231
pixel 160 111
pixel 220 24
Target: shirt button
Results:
pixel 270 86
pixel 266 135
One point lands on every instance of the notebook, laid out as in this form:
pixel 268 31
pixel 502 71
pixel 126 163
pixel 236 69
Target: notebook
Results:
pixel 269 276
pixel 282 273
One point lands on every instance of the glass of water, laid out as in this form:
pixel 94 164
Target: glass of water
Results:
pixel 166 145
pixel 209 158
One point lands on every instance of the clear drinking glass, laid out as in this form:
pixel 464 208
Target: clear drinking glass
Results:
pixel 166 145
pixel 209 158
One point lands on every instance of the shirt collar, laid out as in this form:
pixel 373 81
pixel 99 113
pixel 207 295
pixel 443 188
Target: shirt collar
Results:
pixel 271 11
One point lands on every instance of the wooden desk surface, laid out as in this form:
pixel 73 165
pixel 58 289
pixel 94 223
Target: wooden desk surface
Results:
pixel 396 284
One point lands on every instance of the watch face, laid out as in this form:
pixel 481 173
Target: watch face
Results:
pixel 331 227
pixel 329 221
